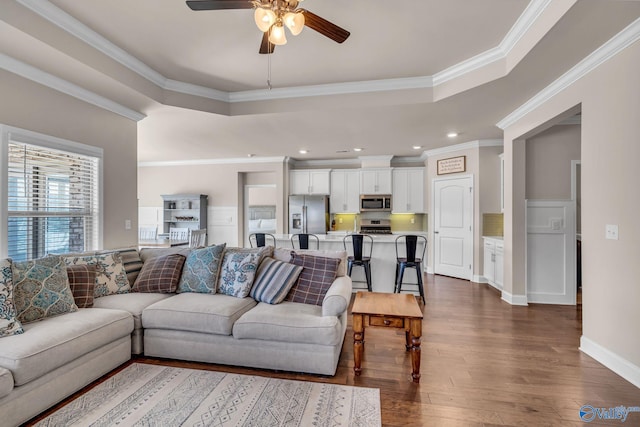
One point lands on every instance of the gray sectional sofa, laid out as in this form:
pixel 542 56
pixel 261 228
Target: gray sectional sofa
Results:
pixel 59 355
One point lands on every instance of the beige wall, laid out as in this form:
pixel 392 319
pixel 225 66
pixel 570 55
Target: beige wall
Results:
pixel 33 107
pixel 223 183
pixel 549 155
pixel 610 103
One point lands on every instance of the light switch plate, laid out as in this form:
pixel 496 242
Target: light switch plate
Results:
pixel 127 224
pixel 611 231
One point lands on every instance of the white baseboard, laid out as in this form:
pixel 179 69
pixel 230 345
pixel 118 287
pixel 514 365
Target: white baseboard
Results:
pixel 514 299
pixel 540 298
pixel 479 279
pixel 429 269
pixel 617 364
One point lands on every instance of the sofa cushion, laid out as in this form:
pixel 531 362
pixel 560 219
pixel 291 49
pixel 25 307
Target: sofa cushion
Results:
pixel 56 341
pixel 148 253
pixel 289 322
pixel 41 289
pixel 212 314
pixel 6 382
pixel 111 277
pixel 9 323
pixel 274 280
pixel 314 281
pixel 133 302
pixel 160 275
pixel 131 261
pixel 239 268
pixel 201 270
pixel 283 254
pixel 82 282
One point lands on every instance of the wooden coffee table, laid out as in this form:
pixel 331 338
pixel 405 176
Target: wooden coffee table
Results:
pixel 391 311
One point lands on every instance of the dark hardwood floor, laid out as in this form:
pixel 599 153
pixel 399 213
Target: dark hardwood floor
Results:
pixel 484 362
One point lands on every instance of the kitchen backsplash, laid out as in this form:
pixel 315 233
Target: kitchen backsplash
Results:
pixel 399 222
pixel 492 224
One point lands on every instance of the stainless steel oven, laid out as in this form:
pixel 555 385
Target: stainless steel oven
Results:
pixel 375 203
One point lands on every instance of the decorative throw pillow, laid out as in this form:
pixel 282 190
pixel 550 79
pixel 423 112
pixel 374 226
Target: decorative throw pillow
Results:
pixel 82 281
pixel 160 274
pixel 111 277
pixel 201 270
pixel 274 280
pixel 9 323
pixel 41 289
pixel 239 269
pixel 315 280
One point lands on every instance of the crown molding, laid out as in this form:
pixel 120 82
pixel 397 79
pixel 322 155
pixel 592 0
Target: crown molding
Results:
pixel 464 146
pixel 32 73
pixel 233 160
pixel 616 44
pixel 73 26
pixel 324 163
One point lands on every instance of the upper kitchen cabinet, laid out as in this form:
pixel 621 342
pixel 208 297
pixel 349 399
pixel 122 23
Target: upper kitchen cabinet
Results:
pixel 345 191
pixel 408 190
pixel 375 181
pixel 309 181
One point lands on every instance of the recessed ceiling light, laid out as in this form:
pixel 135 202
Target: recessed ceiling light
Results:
pixel 303 151
pixel 452 134
pixel 357 149
pixel 417 147
pixel 250 155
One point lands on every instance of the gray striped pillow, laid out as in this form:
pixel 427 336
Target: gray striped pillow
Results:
pixel 273 280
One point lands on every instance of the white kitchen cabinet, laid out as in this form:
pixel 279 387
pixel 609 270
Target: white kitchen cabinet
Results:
pixel 375 181
pixel 345 191
pixel 309 181
pixel 408 190
pixel 494 261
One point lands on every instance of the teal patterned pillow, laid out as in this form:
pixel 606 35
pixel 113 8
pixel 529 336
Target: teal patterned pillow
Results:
pixel 9 324
pixel 239 269
pixel 111 276
pixel 41 289
pixel 201 270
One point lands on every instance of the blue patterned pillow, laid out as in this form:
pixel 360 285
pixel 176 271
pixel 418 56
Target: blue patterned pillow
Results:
pixel 9 323
pixel 274 280
pixel 201 270
pixel 41 289
pixel 111 277
pixel 239 269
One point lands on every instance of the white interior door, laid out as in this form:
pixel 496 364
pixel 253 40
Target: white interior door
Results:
pixel 453 227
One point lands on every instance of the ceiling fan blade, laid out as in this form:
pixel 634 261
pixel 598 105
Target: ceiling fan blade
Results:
pixel 325 27
pixel 265 46
pixel 219 4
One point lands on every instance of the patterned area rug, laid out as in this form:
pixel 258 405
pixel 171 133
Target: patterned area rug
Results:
pixel 150 395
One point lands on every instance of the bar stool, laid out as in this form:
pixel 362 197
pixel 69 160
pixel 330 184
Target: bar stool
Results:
pixel 357 242
pixel 303 240
pixel 410 245
pixel 261 239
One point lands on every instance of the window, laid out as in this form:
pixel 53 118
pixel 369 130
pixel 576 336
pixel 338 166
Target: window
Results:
pixel 52 196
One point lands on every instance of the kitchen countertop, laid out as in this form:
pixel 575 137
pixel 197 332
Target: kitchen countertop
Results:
pixel 501 238
pixel 338 236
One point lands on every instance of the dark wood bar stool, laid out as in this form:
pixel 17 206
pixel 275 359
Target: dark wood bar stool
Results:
pixel 358 245
pixel 261 239
pixel 303 240
pixel 410 260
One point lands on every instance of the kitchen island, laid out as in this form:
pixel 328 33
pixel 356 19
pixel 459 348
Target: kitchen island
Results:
pixel 383 260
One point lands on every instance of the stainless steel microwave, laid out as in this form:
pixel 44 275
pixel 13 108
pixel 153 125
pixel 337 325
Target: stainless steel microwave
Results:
pixel 375 203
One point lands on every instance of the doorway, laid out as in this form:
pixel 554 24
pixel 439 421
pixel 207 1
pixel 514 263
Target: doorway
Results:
pixel 453 226
pixel 260 210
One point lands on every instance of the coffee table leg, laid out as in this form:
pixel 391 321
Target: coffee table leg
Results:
pixel 358 338
pixel 416 333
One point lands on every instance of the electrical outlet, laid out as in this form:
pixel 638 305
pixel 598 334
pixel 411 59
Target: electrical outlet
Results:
pixel 127 224
pixel 413 220
pixel 340 220
pixel 611 231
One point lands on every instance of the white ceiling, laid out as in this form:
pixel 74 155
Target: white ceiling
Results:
pixel 428 67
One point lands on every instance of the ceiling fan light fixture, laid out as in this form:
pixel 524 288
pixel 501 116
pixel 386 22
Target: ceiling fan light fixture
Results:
pixel 276 34
pixel 294 22
pixel 264 18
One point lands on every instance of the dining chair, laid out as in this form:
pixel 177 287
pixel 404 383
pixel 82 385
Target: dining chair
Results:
pixel 197 238
pixel 303 240
pixel 261 239
pixel 179 234
pixel 147 233
pixel 361 256
pixel 411 243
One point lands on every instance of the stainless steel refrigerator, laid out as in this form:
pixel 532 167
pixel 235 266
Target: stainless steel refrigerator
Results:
pixel 308 214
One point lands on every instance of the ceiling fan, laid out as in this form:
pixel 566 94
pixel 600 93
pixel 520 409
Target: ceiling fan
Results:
pixel 272 16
